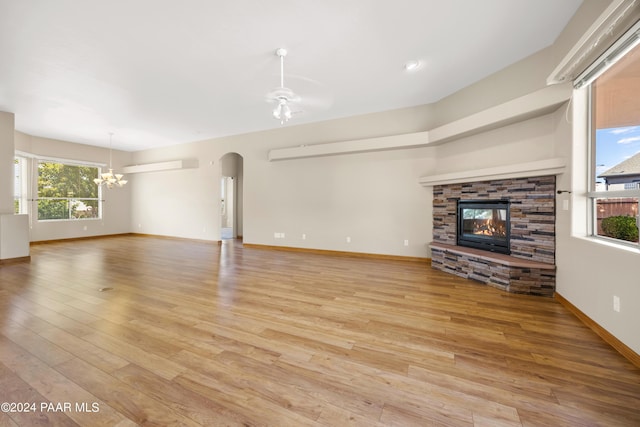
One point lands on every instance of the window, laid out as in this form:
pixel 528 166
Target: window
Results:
pixel 19 204
pixel 614 93
pixel 631 185
pixel 67 191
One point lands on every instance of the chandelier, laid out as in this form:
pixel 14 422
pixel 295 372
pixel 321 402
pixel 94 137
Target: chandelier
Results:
pixel 109 179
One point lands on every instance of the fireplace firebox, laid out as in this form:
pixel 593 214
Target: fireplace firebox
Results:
pixel 484 224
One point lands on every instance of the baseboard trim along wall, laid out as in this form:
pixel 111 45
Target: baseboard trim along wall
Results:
pixel 338 253
pixel 71 239
pixel 104 236
pixel 614 342
pixel 15 260
pixel 253 245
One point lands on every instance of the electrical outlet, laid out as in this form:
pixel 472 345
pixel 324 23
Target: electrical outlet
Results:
pixel 406 242
pixel 304 236
pixel 348 239
pixel 616 303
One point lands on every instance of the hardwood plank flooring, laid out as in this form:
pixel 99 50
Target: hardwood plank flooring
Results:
pixel 193 333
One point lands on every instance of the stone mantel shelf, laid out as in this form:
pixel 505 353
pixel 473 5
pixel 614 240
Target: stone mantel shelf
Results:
pixel 503 259
pixel 520 170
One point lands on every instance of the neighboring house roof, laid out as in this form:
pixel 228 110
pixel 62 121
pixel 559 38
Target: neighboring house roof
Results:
pixel 630 166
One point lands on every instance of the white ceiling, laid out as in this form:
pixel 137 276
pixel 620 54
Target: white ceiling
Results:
pixel 160 72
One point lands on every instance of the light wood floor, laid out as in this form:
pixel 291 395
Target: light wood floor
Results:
pixel 197 334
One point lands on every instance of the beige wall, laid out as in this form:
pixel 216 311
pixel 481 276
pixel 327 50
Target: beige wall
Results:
pixel 6 158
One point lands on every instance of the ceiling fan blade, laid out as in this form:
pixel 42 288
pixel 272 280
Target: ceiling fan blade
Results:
pixel 276 94
pixel 311 92
pixel 316 103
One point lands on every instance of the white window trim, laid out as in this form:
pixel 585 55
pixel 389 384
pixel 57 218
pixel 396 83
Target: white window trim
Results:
pixel 39 159
pixel 72 162
pixel 583 82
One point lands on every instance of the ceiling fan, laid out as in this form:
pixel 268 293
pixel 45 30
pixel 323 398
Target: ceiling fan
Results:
pixel 282 96
pixel 287 102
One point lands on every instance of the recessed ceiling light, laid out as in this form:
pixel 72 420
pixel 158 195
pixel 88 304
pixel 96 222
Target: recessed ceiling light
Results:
pixel 412 65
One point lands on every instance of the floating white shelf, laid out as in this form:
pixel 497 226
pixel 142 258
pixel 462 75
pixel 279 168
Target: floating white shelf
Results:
pixel 161 166
pixel 408 140
pixel 521 170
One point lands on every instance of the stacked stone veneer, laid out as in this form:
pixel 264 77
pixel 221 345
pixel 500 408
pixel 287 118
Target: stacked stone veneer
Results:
pixel 532 215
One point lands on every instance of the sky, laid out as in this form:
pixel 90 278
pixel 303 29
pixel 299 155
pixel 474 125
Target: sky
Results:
pixel 615 145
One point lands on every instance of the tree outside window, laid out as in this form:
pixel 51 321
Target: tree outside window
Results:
pixel 67 191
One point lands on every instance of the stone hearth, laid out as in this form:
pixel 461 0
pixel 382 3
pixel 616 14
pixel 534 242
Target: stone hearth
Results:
pixel 532 233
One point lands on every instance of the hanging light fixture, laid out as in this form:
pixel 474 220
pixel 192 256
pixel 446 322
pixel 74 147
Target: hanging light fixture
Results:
pixel 283 95
pixel 282 111
pixel 109 179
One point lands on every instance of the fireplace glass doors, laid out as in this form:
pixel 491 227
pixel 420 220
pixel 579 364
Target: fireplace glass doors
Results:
pixel 484 224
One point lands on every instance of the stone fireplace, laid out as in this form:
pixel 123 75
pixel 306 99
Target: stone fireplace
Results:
pixel 507 228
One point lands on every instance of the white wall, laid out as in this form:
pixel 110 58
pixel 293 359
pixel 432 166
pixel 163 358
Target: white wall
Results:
pixel 14 233
pixel 522 142
pixel 7 121
pixel 116 205
pixel 373 198
pixel 591 271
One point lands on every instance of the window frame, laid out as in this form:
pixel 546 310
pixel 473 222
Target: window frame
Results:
pixel 20 184
pixel 621 47
pixel 72 163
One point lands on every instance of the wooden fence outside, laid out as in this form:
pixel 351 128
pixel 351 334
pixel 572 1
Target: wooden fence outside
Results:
pixel 615 207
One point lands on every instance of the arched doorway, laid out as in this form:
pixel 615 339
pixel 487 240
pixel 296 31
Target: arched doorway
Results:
pixel 231 185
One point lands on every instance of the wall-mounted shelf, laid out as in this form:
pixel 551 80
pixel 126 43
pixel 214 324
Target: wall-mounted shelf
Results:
pixel 408 140
pixel 162 166
pixel 535 104
pixel 521 170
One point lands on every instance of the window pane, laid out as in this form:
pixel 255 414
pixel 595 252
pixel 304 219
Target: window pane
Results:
pixel 60 180
pixel 17 184
pixel 84 208
pixel 53 209
pixel 67 191
pixel 616 218
pixel 616 120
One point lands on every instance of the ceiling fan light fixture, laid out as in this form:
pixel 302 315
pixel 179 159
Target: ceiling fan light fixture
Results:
pixel 285 103
pixel 282 111
pixel 286 110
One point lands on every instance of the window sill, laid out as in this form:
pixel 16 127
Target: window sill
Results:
pixel 631 247
pixel 69 220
